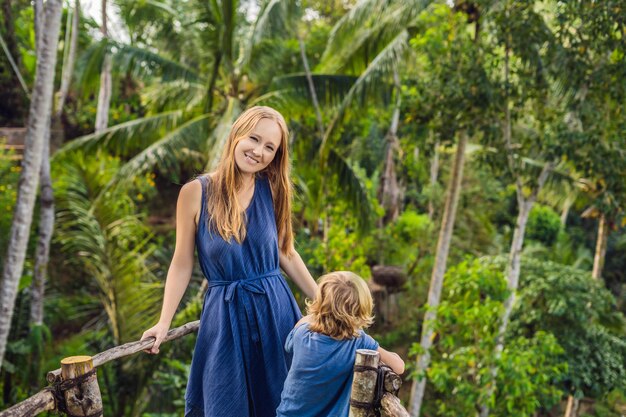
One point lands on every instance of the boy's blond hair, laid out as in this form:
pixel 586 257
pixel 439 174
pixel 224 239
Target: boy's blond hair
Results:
pixel 342 305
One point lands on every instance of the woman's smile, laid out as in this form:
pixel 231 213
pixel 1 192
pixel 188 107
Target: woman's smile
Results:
pixel 251 159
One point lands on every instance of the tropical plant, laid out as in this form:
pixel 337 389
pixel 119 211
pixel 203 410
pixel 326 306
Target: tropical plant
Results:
pixel 39 118
pixel 108 244
pixel 465 331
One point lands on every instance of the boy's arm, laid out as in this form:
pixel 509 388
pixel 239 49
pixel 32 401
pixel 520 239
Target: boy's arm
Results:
pixel 391 359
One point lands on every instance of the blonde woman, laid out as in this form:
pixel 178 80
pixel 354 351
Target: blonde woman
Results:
pixel 239 220
pixel 324 345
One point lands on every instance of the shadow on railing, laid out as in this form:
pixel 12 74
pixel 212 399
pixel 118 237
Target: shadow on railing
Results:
pixel 74 389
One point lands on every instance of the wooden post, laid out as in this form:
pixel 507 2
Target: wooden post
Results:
pixel 82 397
pixel 364 383
pixel 38 403
pixel 390 406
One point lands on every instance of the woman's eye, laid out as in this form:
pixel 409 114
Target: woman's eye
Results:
pixel 269 148
pixel 254 139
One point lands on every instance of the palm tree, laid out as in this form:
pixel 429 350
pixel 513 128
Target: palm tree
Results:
pixel 39 116
pixel 191 112
pixel 104 95
pixel 108 242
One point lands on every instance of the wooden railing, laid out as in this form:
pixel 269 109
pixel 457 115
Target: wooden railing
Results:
pixel 74 389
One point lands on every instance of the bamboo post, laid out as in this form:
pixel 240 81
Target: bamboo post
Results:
pixel 364 383
pixel 82 396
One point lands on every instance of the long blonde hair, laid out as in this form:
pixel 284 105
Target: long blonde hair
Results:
pixel 225 212
pixel 342 306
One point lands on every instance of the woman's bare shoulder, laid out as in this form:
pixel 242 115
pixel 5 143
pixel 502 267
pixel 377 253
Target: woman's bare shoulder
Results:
pixel 191 190
pixel 189 200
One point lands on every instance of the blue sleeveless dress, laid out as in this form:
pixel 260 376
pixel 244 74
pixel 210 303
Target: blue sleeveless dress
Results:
pixel 239 365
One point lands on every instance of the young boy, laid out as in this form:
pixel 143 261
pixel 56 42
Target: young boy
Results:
pixel 324 345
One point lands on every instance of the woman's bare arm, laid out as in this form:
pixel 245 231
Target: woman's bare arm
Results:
pixel 295 268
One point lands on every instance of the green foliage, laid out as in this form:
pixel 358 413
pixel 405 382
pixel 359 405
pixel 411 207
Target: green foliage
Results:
pixel 612 405
pixel 543 225
pixel 9 176
pixel 405 241
pixel 581 314
pixel 343 249
pixel 466 330
pixel 108 242
pixel 455 89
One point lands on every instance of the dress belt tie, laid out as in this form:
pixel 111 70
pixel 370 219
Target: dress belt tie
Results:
pixel 245 309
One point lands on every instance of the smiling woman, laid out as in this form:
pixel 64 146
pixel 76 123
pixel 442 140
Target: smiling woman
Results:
pixel 255 152
pixel 239 218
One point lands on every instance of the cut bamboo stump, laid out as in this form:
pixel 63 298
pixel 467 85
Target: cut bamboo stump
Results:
pixel 83 398
pixel 364 383
pixel 374 388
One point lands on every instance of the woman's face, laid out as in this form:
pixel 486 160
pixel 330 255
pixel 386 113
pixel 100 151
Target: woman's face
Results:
pixel 257 150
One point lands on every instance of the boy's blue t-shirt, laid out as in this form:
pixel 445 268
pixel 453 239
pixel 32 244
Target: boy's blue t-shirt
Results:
pixel 320 377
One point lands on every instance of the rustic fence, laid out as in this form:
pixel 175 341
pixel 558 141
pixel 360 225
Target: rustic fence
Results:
pixel 74 389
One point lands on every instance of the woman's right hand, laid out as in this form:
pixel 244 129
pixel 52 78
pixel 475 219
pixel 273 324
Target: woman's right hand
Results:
pixel 158 331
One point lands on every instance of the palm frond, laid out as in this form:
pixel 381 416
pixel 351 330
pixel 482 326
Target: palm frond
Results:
pixel 178 94
pixel 162 6
pixel 350 23
pixel 355 52
pixel 139 61
pixel 276 19
pixel 166 154
pixel 142 62
pixel 109 244
pixel 373 77
pixel 124 138
pixel 88 67
pixel 329 88
pixel 353 188
pixel 217 139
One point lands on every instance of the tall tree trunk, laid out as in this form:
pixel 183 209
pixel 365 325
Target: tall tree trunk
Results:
pixel 390 193
pixel 46 221
pixel 38 8
pixel 39 116
pixel 309 78
pixel 439 269
pixel 434 171
pixel 104 95
pixel 525 205
pixel 68 65
pixel 46 227
pixel 603 236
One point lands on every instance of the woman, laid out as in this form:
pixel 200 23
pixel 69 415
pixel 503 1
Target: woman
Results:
pixel 239 217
